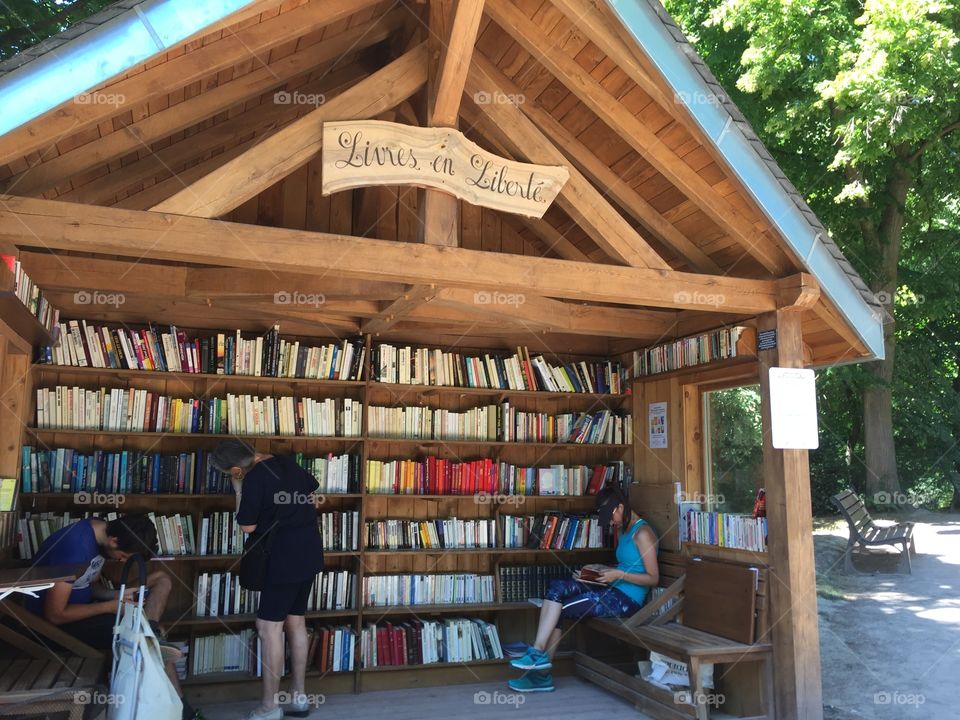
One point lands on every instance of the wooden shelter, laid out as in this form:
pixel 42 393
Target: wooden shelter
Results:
pixel 184 187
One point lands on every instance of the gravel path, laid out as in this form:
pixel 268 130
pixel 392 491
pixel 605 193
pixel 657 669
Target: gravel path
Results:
pixel 889 642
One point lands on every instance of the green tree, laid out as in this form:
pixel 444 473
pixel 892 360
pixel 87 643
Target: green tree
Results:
pixel 26 22
pixel 860 102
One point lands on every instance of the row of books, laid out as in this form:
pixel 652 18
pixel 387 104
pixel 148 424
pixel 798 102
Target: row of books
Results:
pixel 226 652
pixel 332 648
pixel 224 353
pixel 132 410
pixel 521 582
pixel 499 423
pixel 220 534
pixel 340 530
pixel 432 366
pixel 220 594
pixel 724 529
pixel 554 531
pixel 438 476
pixel 433 589
pixel 126 471
pixel 335 474
pixel 31 296
pixel 424 642
pixel 440 533
pixel 687 352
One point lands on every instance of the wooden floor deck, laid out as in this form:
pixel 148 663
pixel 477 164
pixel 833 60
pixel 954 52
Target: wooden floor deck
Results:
pixel 573 698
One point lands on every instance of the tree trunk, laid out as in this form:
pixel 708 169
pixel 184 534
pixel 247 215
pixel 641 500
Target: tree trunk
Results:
pixel 882 481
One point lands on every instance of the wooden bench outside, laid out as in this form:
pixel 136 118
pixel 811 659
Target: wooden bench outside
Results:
pixel 723 619
pixel 46 681
pixel 864 532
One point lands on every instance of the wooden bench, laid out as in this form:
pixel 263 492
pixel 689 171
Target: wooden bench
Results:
pixel 46 681
pixel 864 532
pixel 722 613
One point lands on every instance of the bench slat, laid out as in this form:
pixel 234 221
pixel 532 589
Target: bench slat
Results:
pixel 13 673
pixel 27 680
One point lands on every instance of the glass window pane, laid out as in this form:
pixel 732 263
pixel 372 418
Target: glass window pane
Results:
pixel 733 446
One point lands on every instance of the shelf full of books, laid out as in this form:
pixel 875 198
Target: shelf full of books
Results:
pixel 23 306
pixel 723 344
pixel 728 530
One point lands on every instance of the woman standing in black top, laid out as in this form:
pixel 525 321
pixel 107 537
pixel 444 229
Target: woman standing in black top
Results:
pixel 275 495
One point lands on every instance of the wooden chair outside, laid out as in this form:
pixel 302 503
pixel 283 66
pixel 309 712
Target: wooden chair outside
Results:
pixel 865 533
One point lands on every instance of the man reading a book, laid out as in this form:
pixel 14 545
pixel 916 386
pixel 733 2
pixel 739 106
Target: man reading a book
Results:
pixel 86 608
pixel 596 591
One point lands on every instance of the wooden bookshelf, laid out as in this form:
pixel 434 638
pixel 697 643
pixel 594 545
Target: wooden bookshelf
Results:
pixel 719 552
pixel 183 623
pixel 16 316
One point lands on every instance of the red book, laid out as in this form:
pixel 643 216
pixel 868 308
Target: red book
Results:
pixel 382 654
pixel 399 656
pixel 596 480
pixel 431 475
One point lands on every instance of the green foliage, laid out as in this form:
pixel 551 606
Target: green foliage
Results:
pixel 736 447
pixel 26 22
pixel 841 91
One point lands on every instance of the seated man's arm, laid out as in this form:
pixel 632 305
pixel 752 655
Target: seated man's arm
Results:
pixel 58 609
pixel 100 591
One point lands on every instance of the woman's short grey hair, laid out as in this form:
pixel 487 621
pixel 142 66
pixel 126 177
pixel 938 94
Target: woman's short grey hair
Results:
pixel 232 453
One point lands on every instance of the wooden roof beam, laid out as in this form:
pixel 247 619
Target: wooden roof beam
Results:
pixel 454 62
pixel 578 198
pixel 264 118
pixel 412 297
pixel 518 26
pixel 283 152
pixel 141 133
pixel 31 222
pixel 69 118
pixel 602 176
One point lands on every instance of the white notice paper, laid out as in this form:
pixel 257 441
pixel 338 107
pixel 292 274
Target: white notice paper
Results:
pixel 793 409
pixel 657 423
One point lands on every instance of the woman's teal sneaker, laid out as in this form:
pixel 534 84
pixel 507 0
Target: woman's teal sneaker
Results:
pixel 533 660
pixel 532 682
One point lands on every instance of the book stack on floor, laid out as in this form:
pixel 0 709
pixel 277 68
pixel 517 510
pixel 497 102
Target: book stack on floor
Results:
pixel 521 582
pixel 132 410
pixel 499 423
pixel 340 530
pixel 731 530
pixel 126 471
pixel 442 533
pixel 688 352
pixel 223 353
pixel 431 366
pixel 433 589
pixel 554 531
pixel 423 642
pixel 225 652
pixel 438 476
pixel 31 296
pixel 334 473
pixel 220 534
pixel 332 648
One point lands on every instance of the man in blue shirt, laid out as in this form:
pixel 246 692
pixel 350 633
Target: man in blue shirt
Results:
pixel 86 608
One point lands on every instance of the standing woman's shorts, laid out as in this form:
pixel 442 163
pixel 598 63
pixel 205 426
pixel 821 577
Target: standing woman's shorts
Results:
pixel 279 600
pixel 580 600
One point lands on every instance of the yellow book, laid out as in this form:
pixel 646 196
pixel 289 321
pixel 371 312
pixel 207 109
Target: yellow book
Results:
pixel 8 487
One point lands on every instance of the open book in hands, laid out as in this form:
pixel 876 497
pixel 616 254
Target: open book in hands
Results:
pixel 591 574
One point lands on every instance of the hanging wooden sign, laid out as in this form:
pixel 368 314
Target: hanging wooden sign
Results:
pixel 361 153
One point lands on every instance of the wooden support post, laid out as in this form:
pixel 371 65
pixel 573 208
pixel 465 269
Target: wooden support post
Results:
pixel 792 579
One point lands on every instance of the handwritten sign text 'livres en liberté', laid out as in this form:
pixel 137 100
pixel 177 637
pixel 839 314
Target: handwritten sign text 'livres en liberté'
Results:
pixel 374 152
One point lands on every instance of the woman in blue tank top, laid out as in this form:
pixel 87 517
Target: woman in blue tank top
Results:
pixel 626 589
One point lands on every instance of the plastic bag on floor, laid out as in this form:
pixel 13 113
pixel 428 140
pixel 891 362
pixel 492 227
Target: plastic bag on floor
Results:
pixel 669 673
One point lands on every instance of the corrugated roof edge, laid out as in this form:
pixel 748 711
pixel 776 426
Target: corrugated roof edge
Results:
pixel 686 73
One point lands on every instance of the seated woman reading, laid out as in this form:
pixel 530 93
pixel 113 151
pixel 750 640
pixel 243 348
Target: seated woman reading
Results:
pixel 620 593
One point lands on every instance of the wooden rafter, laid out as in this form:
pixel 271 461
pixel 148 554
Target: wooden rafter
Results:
pixel 143 132
pixel 276 157
pixel 30 222
pixel 601 175
pixel 72 117
pixel 253 123
pixel 518 26
pixel 453 63
pixel 579 198
pixel 413 296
